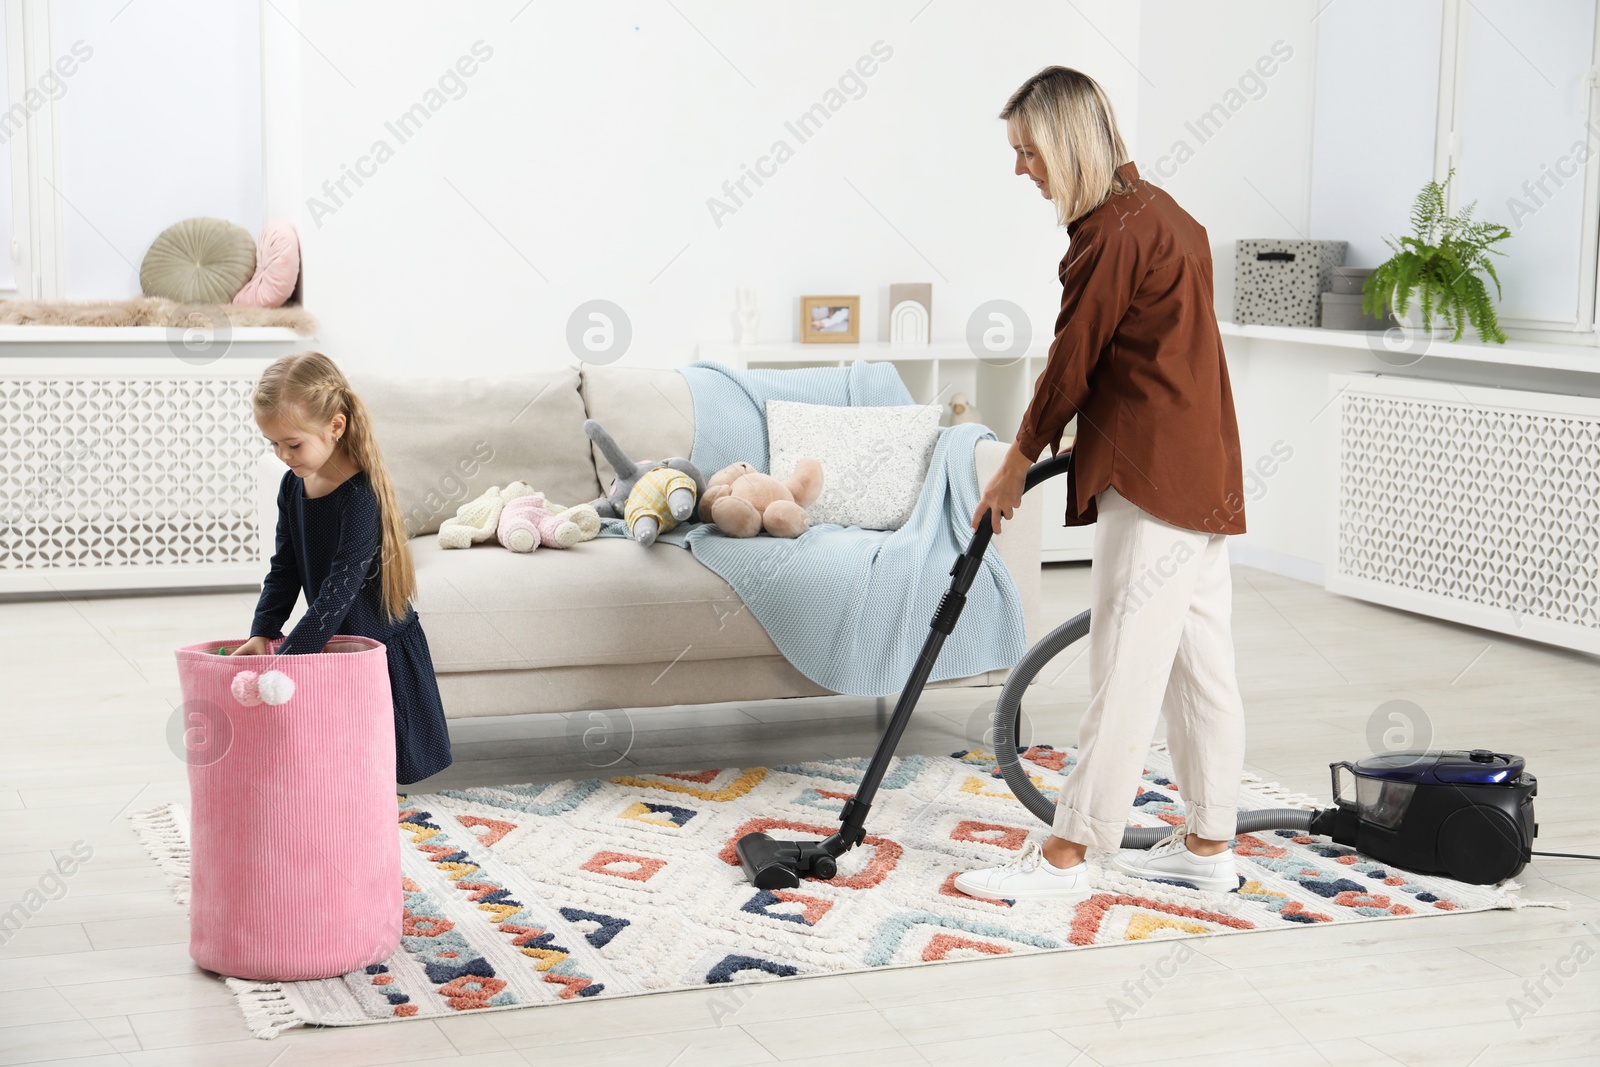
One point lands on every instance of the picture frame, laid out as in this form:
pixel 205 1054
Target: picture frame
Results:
pixel 830 319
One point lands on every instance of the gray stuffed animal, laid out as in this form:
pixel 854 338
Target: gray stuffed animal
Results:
pixel 644 527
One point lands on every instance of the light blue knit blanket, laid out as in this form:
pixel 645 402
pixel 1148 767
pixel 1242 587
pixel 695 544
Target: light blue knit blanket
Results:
pixel 849 607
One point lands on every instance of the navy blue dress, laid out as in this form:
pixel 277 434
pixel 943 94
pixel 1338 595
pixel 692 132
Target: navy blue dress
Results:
pixel 328 547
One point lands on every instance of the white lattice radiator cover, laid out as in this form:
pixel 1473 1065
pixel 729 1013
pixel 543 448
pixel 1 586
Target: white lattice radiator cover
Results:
pixel 1477 505
pixel 129 474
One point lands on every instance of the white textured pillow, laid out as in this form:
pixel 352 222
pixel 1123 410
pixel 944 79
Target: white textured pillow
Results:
pixel 874 459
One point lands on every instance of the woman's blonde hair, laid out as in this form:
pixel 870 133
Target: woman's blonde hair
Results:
pixel 1068 118
pixel 308 389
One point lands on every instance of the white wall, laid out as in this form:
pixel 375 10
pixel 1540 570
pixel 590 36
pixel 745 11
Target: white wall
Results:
pixel 576 161
pixel 1246 172
pixel 1248 175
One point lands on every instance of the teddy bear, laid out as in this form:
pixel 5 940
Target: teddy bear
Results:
pixel 743 502
pixel 652 496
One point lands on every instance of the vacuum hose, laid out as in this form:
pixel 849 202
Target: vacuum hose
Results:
pixel 1008 714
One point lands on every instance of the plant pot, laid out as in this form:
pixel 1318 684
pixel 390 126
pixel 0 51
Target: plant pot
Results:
pixel 1411 321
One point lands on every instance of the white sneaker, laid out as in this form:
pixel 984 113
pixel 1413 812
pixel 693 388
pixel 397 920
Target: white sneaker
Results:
pixel 1171 860
pixel 1028 876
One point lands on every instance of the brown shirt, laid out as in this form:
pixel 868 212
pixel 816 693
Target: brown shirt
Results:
pixel 1138 358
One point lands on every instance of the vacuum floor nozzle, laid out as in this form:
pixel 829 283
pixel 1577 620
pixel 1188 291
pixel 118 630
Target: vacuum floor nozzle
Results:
pixel 764 863
pixel 773 864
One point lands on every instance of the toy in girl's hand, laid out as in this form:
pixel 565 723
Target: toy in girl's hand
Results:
pixel 653 496
pixel 743 502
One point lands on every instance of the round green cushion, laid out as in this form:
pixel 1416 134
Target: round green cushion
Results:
pixel 199 261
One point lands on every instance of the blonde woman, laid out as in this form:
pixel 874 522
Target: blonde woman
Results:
pixel 1138 360
pixel 343 543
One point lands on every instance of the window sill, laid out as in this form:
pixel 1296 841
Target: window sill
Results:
pixel 139 334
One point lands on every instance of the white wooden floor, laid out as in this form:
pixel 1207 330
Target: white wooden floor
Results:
pixel 101 976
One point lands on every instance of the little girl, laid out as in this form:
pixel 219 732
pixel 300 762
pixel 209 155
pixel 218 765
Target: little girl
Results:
pixel 342 540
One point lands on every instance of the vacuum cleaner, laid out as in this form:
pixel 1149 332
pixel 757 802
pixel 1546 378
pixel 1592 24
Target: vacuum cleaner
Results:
pixel 1466 815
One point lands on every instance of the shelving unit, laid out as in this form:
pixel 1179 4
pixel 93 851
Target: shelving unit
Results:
pixel 933 373
pixel 1539 355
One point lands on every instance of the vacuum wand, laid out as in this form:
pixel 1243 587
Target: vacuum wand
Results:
pixel 773 864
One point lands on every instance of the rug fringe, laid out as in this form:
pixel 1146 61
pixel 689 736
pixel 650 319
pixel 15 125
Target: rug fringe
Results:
pixel 267 1011
pixel 159 834
pixel 1510 898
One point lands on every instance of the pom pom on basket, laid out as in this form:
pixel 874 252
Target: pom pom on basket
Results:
pixel 268 687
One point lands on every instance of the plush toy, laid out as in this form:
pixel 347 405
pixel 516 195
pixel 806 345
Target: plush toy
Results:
pixel 653 496
pixel 582 515
pixel 744 502
pixel 476 520
pixel 548 524
pixel 526 522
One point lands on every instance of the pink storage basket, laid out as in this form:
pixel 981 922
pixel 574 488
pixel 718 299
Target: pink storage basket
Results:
pixel 294 849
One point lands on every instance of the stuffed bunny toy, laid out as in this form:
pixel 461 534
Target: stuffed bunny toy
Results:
pixel 528 521
pixel 537 521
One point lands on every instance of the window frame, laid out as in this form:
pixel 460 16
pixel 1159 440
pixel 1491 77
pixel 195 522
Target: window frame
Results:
pixel 37 237
pixel 1454 72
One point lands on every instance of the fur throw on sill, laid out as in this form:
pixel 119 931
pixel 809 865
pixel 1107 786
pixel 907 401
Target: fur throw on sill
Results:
pixel 150 311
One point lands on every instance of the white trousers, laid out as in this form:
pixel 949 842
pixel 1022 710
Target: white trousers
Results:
pixel 1160 640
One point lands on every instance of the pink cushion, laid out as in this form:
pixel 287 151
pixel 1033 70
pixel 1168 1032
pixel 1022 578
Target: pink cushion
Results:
pixel 294 838
pixel 277 267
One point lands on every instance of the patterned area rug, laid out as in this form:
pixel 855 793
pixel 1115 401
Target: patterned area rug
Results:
pixel 524 895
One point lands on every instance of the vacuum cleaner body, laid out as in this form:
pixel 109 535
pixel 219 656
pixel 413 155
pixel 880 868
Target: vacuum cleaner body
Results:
pixel 1466 815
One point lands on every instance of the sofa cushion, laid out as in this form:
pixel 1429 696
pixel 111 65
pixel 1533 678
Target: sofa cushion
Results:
pixel 606 601
pixel 874 459
pixel 446 440
pixel 649 412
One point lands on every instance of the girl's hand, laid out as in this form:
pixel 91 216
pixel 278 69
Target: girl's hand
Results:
pixel 256 646
pixel 1003 494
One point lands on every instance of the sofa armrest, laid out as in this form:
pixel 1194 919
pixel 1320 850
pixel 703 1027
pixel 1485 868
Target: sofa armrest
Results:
pixel 1019 542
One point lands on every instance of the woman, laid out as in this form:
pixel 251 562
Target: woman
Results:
pixel 1138 360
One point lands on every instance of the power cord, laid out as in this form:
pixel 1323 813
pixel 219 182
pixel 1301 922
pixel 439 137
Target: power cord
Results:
pixel 1566 855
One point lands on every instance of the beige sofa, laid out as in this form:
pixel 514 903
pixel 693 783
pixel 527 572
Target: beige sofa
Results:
pixel 607 623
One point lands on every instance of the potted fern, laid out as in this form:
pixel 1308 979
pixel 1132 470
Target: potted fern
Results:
pixel 1440 265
